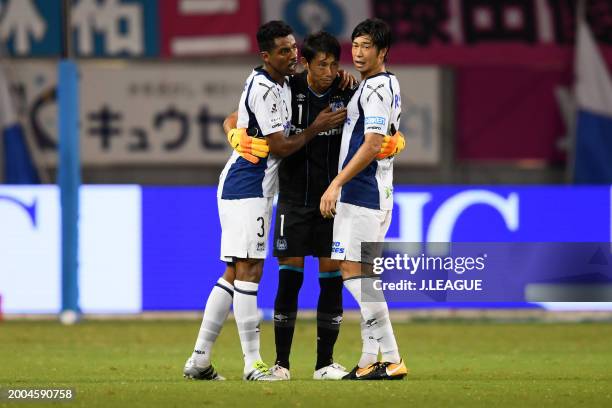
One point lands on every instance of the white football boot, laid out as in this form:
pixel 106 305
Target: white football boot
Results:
pixel 281 372
pixel 260 372
pixel 194 372
pixel 334 371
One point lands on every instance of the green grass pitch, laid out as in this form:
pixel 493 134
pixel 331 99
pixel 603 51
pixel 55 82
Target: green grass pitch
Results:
pixel 454 364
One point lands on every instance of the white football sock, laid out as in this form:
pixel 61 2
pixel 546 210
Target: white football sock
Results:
pixel 376 317
pixel 247 320
pixel 216 311
pixel 369 351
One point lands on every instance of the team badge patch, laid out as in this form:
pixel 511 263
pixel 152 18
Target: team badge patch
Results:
pixel 281 244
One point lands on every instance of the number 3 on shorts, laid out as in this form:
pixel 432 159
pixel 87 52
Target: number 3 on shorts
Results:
pixel 262 233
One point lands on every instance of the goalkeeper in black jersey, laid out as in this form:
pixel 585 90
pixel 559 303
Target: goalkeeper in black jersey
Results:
pixel 300 230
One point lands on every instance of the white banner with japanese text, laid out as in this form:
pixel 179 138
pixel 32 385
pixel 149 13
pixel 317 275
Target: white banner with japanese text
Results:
pixel 172 113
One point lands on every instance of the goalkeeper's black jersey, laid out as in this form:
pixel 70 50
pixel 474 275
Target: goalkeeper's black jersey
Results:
pixel 305 175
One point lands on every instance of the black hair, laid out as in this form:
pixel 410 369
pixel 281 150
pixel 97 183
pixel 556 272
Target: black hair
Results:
pixel 378 31
pixel 322 42
pixel 268 32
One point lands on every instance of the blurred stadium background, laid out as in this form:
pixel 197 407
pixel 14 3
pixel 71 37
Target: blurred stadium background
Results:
pixel 492 113
pixel 489 114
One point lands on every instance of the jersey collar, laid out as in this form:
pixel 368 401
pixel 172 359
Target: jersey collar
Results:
pixel 260 69
pixel 383 73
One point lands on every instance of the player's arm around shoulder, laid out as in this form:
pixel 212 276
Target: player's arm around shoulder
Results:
pixel 285 146
pixel 250 148
pixel 392 145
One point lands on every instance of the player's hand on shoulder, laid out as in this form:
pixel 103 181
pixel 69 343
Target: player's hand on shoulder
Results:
pixel 250 148
pixel 347 80
pixel 392 145
pixel 328 119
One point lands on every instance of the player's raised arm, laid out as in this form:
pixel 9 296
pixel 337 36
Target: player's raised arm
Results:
pixel 284 146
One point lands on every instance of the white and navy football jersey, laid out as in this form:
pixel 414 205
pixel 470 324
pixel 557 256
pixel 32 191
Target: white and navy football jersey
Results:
pixel 265 108
pixel 375 108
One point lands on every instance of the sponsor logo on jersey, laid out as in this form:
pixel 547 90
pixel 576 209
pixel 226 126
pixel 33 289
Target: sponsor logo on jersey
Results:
pixel 276 122
pixel 300 97
pixel 375 120
pixel 331 132
pixel 337 248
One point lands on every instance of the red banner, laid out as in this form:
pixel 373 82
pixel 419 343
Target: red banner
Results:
pixel 476 32
pixel 510 113
pixel 208 27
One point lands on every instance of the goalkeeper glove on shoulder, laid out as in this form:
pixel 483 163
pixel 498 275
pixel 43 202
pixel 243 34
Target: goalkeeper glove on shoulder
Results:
pixel 248 147
pixel 392 145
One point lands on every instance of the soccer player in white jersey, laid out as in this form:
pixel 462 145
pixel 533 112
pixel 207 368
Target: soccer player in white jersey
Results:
pixel 361 196
pixel 244 197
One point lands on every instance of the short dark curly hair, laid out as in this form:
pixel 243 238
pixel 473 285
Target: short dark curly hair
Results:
pixel 320 42
pixel 271 30
pixel 378 31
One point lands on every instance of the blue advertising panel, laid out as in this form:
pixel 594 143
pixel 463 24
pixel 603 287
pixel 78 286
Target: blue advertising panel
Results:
pixel 181 234
pixel 164 245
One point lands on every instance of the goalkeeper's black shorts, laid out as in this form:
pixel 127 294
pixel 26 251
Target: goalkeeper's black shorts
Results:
pixel 302 231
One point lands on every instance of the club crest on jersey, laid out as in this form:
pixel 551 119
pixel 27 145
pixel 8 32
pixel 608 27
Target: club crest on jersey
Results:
pixel 273 110
pixel 336 105
pixel 261 246
pixel 281 244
